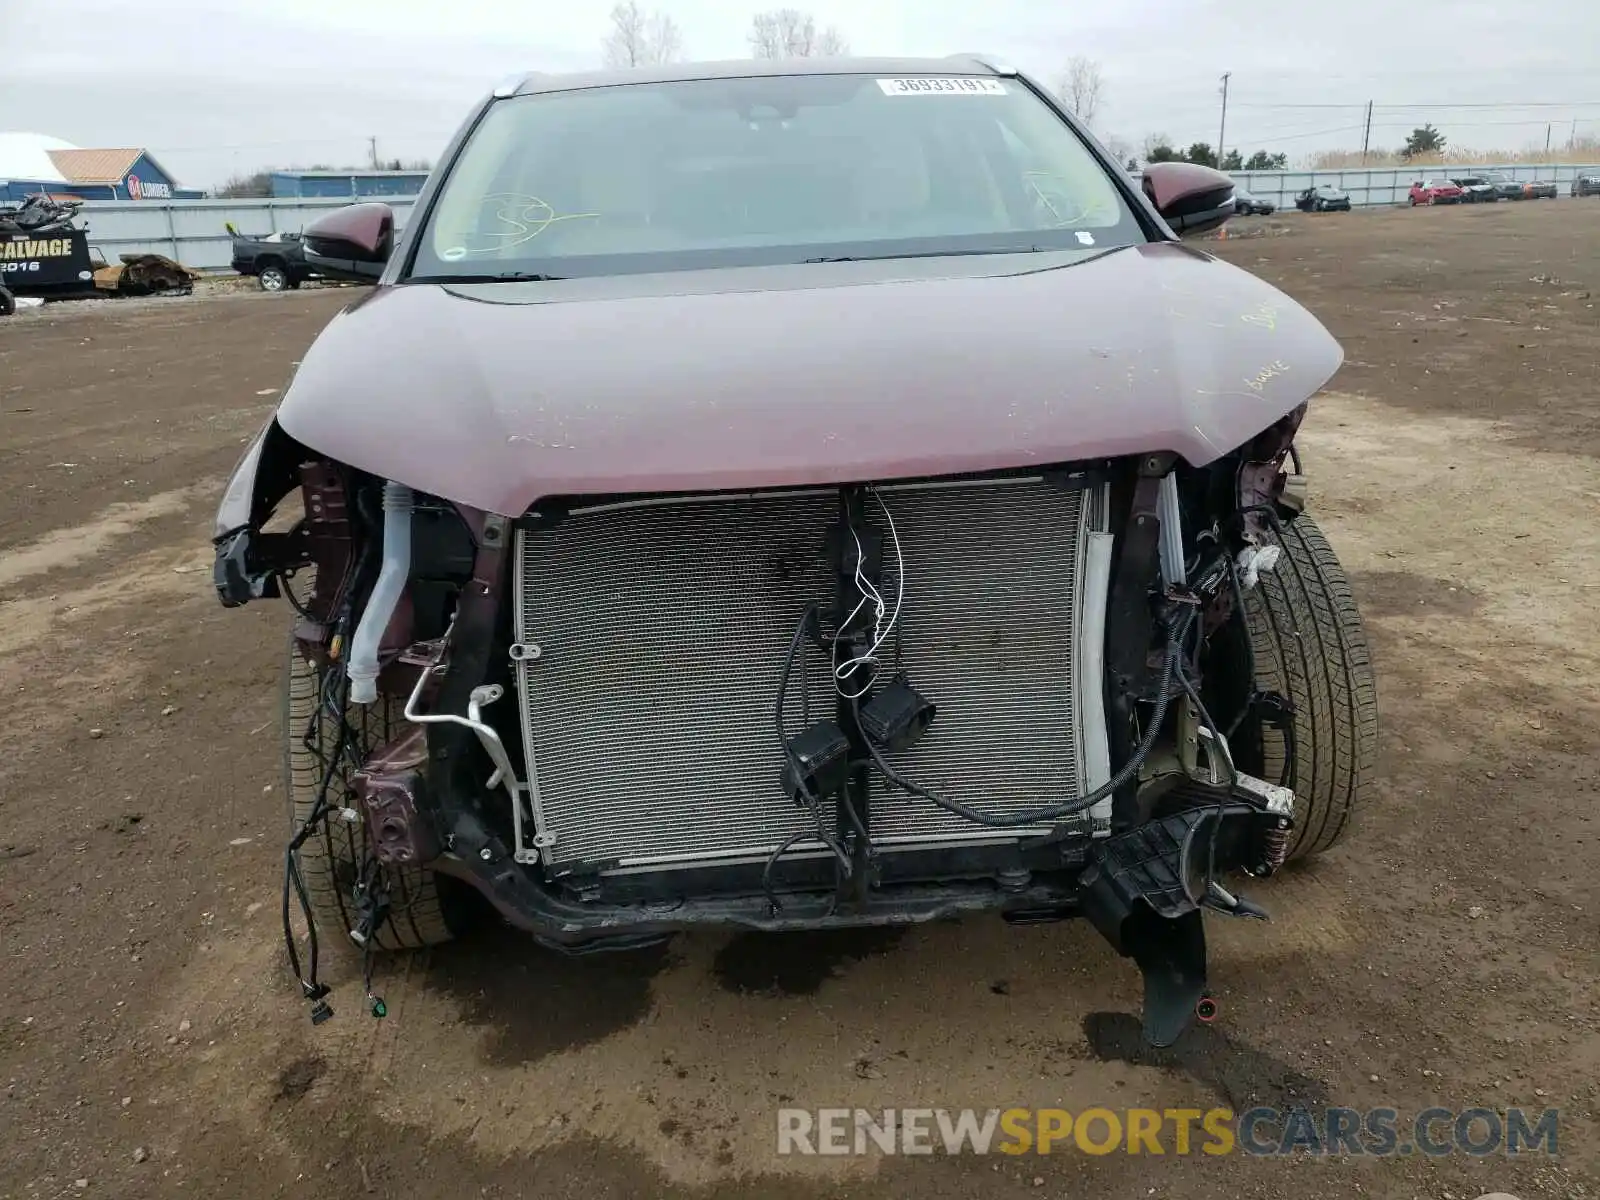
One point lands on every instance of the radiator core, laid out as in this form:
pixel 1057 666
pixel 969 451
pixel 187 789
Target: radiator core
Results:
pixel 652 635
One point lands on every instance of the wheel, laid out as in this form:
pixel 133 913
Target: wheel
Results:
pixel 331 859
pixel 272 278
pixel 1310 646
pixel 8 303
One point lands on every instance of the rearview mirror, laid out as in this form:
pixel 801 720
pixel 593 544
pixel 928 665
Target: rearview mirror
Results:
pixel 352 242
pixel 1190 198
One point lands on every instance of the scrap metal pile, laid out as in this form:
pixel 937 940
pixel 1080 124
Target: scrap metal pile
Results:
pixel 40 216
pixel 45 253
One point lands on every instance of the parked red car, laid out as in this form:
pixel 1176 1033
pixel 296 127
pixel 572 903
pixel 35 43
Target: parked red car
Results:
pixel 1435 191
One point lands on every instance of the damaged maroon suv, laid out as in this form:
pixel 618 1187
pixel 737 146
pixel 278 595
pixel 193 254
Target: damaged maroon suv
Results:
pixel 793 496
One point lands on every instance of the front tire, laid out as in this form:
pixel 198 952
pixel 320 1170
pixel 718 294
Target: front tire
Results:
pixel 332 858
pixel 1311 647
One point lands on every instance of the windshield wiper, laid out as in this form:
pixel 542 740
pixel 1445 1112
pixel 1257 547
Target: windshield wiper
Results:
pixel 921 254
pixel 502 277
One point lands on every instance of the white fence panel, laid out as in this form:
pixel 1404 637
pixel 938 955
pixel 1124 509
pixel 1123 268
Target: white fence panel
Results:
pixel 195 231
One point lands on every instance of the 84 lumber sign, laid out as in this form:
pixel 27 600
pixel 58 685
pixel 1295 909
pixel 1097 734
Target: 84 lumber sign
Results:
pixel 31 264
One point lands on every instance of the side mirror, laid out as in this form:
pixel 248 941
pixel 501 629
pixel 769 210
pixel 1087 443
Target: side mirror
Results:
pixel 351 243
pixel 1190 198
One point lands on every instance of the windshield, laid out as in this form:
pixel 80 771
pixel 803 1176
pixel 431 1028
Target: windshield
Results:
pixel 766 170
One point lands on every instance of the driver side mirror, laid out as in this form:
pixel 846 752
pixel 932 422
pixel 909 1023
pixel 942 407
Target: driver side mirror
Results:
pixel 1190 198
pixel 352 242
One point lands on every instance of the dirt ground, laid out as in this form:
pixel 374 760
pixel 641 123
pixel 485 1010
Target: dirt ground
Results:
pixel 151 1040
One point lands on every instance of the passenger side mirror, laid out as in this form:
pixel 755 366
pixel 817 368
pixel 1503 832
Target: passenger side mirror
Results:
pixel 352 242
pixel 1190 198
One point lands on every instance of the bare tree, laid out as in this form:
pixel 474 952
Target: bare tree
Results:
pixel 1154 146
pixel 1083 87
pixel 790 33
pixel 638 38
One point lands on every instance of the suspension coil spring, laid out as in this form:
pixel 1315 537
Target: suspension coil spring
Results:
pixel 1275 846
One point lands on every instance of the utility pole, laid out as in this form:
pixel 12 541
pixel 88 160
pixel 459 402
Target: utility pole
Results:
pixel 1366 137
pixel 1572 138
pixel 1223 128
pixel 372 144
pixel 1547 138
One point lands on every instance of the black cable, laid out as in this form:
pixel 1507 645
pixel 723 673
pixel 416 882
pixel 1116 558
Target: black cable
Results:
pixel 772 861
pixel 1267 510
pixel 1177 630
pixel 808 799
pixel 1294 457
pixel 293 881
pixel 1286 775
pixel 284 586
pixel 1249 648
pixel 1187 685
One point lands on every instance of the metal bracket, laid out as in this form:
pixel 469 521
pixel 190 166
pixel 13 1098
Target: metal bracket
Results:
pixel 505 774
pixel 1269 797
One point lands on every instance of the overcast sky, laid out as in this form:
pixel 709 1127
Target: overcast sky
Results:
pixel 215 87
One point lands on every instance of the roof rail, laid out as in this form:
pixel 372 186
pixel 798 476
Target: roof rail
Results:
pixel 988 62
pixel 514 84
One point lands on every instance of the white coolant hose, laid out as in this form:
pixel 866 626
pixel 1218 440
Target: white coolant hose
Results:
pixel 386 592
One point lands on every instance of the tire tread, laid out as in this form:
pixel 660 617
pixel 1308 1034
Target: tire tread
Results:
pixel 1311 646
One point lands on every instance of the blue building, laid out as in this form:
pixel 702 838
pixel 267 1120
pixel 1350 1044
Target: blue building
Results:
pixel 32 163
pixel 348 184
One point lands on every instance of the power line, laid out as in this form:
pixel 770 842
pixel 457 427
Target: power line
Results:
pixel 1434 105
pixel 350 139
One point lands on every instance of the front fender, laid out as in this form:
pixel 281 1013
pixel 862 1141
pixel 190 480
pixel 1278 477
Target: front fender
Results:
pixel 248 561
pixel 266 472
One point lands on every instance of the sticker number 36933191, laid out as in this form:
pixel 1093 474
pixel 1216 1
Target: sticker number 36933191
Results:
pixel 932 85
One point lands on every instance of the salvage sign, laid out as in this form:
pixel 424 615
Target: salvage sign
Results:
pixel 28 262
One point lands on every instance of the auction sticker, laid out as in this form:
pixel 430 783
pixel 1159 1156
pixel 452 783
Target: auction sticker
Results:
pixel 935 85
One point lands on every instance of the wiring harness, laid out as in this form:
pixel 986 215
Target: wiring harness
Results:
pixel 1183 636
pixel 369 891
pixel 369 888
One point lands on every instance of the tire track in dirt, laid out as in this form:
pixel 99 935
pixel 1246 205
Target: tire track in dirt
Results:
pixel 63 549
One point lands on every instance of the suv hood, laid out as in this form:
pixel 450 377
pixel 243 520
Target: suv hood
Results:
pixel 495 395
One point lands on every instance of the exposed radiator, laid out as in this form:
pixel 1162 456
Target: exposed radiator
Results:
pixel 651 636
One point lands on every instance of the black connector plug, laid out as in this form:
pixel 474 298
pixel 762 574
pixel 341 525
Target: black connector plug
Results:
pixel 817 763
pixel 897 716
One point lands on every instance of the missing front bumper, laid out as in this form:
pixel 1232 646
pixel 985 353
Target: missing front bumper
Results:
pixel 1143 889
